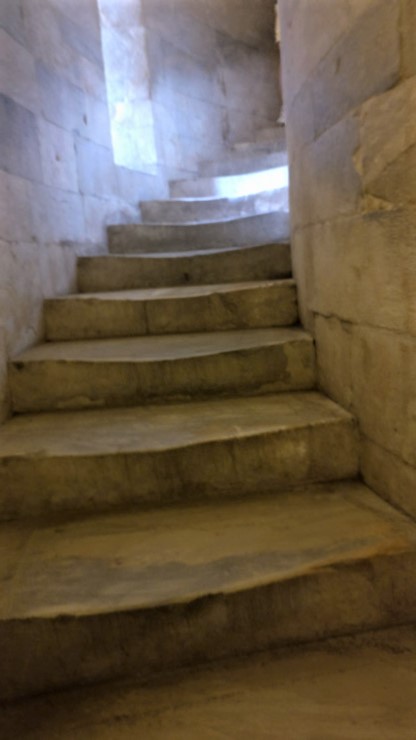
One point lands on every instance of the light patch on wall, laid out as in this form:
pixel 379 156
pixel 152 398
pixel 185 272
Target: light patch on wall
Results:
pixel 128 89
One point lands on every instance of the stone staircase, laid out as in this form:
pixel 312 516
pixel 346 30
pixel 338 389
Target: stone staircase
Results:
pixel 174 488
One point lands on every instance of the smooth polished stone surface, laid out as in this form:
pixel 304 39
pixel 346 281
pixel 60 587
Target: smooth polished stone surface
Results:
pixel 172 310
pixel 351 688
pixel 228 577
pixel 125 372
pixel 105 459
pixel 265 262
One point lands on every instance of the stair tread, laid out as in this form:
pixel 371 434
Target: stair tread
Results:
pixel 140 560
pixel 175 291
pixel 161 348
pixel 156 428
pixel 173 254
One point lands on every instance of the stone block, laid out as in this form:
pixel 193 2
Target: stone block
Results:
pixel 19 145
pixel 93 79
pixel 11 19
pixel 136 186
pixel 58 157
pixel 96 171
pixel 62 102
pixel 388 475
pixel 300 127
pixel 83 40
pixel 59 216
pixel 384 365
pixel 173 69
pixel 17 223
pixel 98 122
pixel 57 266
pixel 387 130
pixel 365 269
pixel 306 39
pixel 243 67
pixel 46 39
pixel 20 295
pixel 342 81
pixel 326 182
pixel 334 358
pixel 99 213
pixel 17 73
pixel 84 11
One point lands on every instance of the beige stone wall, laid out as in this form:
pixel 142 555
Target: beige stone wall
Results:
pixel 59 185
pixel 350 91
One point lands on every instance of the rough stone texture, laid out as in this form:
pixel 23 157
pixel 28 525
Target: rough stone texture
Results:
pixel 351 81
pixel 151 591
pixel 137 370
pixel 299 692
pixel 266 262
pixel 240 232
pixel 113 458
pixel 176 211
pixel 172 310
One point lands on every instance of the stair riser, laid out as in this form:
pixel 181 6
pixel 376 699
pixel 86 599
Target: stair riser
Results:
pixel 41 655
pixel 267 262
pixel 141 239
pixel 98 318
pixel 230 186
pixel 181 212
pixel 241 165
pixel 57 385
pixel 229 467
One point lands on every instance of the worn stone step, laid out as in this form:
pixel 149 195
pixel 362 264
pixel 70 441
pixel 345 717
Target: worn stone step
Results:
pixel 173 310
pixel 242 232
pixel 230 186
pixel 242 164
pixel 205 210
pixel 137 594
pixel 265 262
pixel 104 459
pixel 305 691
pixel 129 371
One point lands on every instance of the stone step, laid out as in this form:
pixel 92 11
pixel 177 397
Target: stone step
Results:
pixel 105 459
pixel 104 273
pixel 242 232
pixel 139 594
pixel 243 164
pixel 306 691
pixel 125 372
pixel 192 308
pixel 231 186
pixel 207 210
pixel 265 140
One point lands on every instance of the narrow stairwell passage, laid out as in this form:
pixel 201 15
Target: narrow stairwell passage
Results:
pixel 174 488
